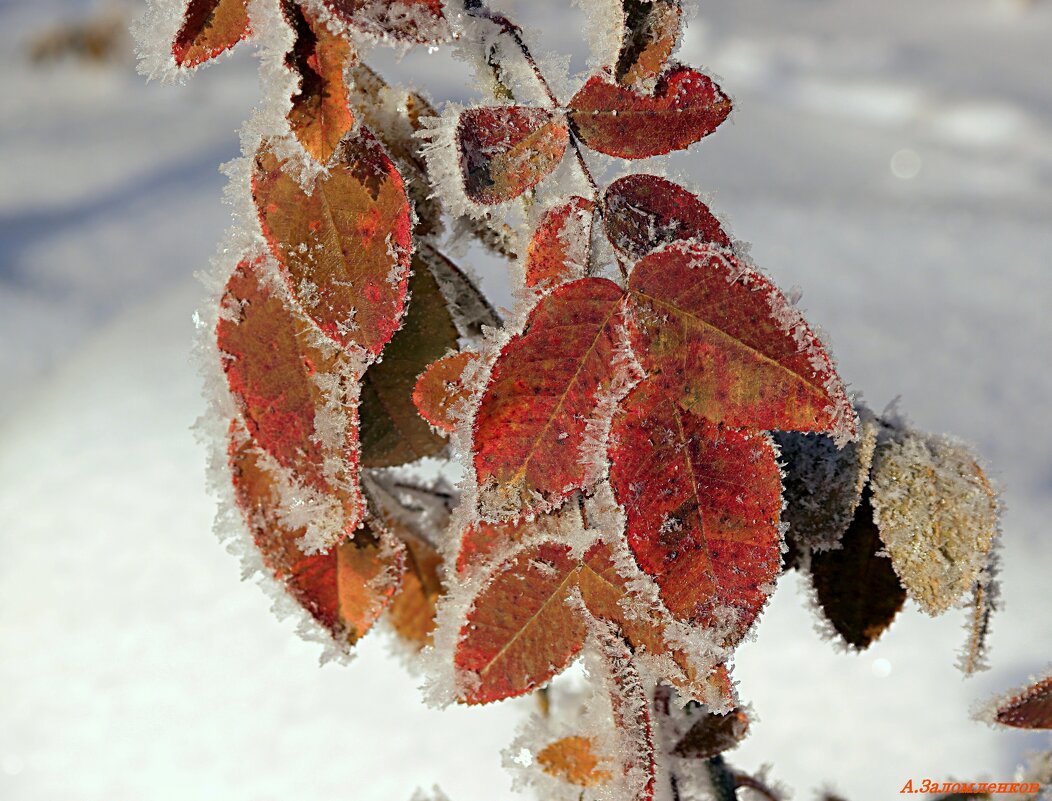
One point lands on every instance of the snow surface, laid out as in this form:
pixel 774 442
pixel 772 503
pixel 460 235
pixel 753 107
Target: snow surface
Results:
pixel 893 159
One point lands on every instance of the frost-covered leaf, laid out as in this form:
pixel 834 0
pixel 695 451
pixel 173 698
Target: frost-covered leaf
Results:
pixel 344 246
pixel 209 27
pixel 937 515
pixel 295 389
pixel 643 212
pixel 393 432
pixel 573 759
pixel 560 246
pixel 412 611
pixel 520 630
pixel 727 344
pixel 320 113
pixel 543 390
pixel 482 540
pixel 1027 708
pixel 470 309
pixel 439 390
pixel 346 588
pixel 525 626
pixel 712 734
pixel 414 21
pixel 856 586
pixel 823 483
pixel 684 107
pixel 651 32
pixel 505 150
pixel 702 505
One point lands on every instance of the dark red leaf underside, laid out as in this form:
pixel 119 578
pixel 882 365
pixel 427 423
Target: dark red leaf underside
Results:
pixel 651 32
pixel 344 248
pixel 702 503
pixel 1030 709
pixel 684 107
pixel 506 150
pixel 274 368
pixel 344 589
pixel 320 113
pixel 644 212
pixel 544 388
pixel 729 347
pixel 560 246
pixel 415 21
pixel 209 27
pixel 857 588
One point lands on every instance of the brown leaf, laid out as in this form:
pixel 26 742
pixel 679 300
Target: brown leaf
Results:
pixel 937 515
pixel 543 389
pixel 320 113
pixel 439 390
pixel 506 150
pixel 209 27
pixel 393 433
pixel 651 32
pixel 712 734
pixel 1029 708
pixel 856 586
pixel 644 212
pixel 561 244
pixel 684 107
pixel 344 246
pixel 346 588
pixel 412 611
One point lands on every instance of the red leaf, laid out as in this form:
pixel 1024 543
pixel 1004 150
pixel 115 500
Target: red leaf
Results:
pixel 560 246
pixel 651 32
pixel 702 504
pixel 726 343
pixel 544 388
pixel 274 364
pixel 418 21
pixel 439 390
pixel 209 27
pixel 1030 708
pixel 520 631
pixel 685 107
pixel 523 628
pixel 643 212
pixel 345 589
pixel 320 113
pixel 505 150
pixel 482 540
pixel 344 247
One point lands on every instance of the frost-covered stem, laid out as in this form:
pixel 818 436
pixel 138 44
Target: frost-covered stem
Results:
pixel 477 8
pixel 745 780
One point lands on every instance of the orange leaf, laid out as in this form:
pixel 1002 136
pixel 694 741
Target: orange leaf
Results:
pixel 643 212
pixel 1029 708
pixel 651 32
pixel 412 611
pixel 573 760
pixel 417 21
pixel 482 540
pixel 729 347
pixel 560 246
pixel 320 113
pixel 684 107
pixel 275 364
pixel 505 150
pixel 346 588
pixel 702 505
pixel 439 390
pixel 344 247
pixel 544 388
pixel 209 27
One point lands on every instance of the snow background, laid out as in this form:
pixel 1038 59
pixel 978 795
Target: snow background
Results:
pixel 135 664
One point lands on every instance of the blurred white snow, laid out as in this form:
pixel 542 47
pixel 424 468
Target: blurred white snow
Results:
pixel 892 159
